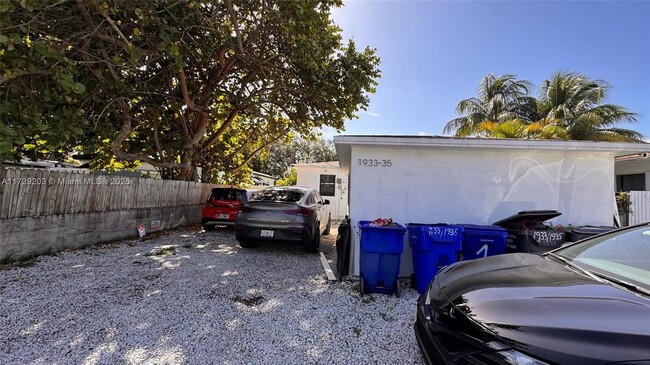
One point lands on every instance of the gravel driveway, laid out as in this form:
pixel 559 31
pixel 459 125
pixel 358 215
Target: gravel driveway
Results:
pixel 194 297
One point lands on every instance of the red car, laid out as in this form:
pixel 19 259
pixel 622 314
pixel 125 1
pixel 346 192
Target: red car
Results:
pixel 222 207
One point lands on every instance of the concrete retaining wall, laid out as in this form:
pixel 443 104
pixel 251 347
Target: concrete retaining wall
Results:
pixel 27 236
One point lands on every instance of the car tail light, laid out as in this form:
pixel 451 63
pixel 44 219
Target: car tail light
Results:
pixel 301 211
pixel 296 231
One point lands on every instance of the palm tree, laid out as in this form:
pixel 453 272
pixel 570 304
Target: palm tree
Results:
pixel 514 128
pixel 500 99
pixel 569 107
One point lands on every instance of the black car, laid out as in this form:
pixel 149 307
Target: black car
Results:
pixel 584 303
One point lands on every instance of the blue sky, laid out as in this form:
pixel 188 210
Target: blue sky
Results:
pixel 435 53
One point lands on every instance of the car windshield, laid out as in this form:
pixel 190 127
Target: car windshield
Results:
pixel 227 194
pixel 622 257
pixel 279 195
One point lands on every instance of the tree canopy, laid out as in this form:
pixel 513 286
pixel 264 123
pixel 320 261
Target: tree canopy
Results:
pixel 279 157
pixel 497 97
pixel 570 107
pixel 181 85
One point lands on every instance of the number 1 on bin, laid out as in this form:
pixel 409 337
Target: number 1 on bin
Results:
pixel 483 249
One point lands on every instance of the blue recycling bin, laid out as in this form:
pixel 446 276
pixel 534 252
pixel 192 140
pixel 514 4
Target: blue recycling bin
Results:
pixel 381 250
pixel 433 246
pixel 482 241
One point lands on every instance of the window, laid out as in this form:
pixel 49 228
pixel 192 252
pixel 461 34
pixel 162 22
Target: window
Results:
pixel 228 194
pixel 311 200
pixel 634 182
pixel 328 185
pixel 279 195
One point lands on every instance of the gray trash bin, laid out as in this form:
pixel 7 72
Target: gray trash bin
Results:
pixel 527 231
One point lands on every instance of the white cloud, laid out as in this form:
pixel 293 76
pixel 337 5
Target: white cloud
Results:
pixel 372 114
pixel 422 134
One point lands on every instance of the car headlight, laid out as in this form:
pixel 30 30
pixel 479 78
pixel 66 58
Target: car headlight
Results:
pixel 510 356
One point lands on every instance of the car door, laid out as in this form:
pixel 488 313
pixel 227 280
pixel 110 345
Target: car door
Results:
pixel 322 211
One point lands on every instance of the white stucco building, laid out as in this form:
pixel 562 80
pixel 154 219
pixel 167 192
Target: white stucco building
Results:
pixel 327 178
pixel 414 179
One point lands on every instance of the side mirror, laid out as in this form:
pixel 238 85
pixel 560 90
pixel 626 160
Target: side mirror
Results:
pixel 326 202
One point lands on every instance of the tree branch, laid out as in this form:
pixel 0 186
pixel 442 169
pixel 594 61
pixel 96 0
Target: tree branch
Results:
pixel 12 75
pixel 235 24
pixel 254 153
pixel 231 117
pixel 114 26
pixel 156 132
pixel 116 146
pixel 186 96
pixel 85 13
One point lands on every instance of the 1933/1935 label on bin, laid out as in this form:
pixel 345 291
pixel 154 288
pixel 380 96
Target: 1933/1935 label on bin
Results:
pixel 548 238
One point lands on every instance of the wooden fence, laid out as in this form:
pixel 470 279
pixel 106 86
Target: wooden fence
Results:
pixel 29 192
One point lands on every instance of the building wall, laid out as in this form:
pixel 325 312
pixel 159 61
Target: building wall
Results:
pixel 263 180
pixel 476 187
pixel 309 176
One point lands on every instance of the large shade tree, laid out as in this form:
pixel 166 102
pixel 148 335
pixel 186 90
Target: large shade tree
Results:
pixel 181 85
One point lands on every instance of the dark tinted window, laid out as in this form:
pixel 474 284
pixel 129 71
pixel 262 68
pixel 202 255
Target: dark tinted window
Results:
pixel 327 185
pixel 290 196
pixel 228 194
pixel 634 182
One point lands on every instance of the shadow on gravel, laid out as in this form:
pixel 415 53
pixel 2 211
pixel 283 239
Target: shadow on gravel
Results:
pixel 195 297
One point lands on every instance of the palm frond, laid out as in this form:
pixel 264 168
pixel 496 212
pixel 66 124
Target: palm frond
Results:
pixel 569 107
pixel 471 105
pixel 454 125
pixel 611 135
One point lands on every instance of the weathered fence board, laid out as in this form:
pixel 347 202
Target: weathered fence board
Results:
pixel 28 192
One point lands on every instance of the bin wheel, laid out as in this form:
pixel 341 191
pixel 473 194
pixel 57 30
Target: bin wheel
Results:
pixel 361 285
pixel 414 284
pixel 398 290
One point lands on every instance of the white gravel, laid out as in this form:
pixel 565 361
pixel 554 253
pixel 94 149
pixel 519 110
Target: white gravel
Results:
pixel 209 302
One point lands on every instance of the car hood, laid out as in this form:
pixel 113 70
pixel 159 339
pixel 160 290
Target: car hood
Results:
pixel 543 307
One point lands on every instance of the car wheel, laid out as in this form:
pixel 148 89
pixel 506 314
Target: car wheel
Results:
pixel 208 227
pixel 314 244
pixel 247 244
pixel 329 225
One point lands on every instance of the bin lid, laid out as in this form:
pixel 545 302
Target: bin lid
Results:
pixel 527 215
pixel 478 227
pixel 591 230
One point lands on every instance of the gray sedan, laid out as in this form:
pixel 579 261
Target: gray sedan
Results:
pixel 284 214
